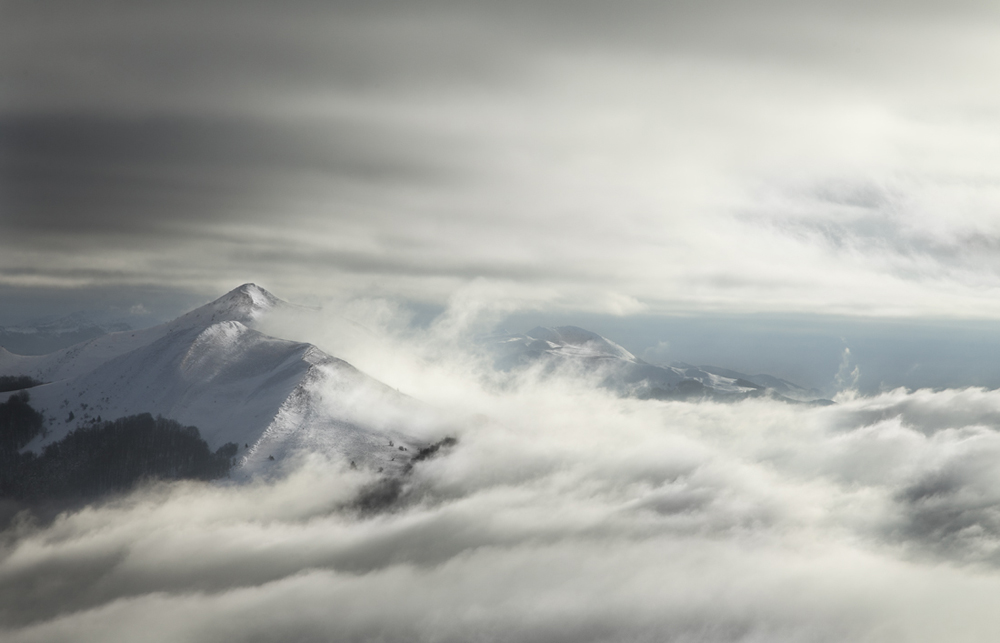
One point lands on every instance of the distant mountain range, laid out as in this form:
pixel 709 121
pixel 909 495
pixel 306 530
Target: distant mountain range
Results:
pixel 48 335
pixel 273 398
pixel 569 348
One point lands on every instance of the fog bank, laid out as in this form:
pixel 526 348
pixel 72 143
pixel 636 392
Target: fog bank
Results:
pixel 563 514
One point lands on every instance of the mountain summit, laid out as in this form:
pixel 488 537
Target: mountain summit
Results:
pixel 245 304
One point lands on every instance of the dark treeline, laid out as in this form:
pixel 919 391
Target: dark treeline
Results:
pixel 16 382
pixel 103 458
pixel 430 451
pixel 19 423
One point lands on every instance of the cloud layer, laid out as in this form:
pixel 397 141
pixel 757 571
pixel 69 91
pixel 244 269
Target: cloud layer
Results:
pixel 563 514
pixel 776 156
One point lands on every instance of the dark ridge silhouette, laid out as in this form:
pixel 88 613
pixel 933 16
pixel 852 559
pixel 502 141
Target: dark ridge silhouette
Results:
pixel 19 424
pixel 17 382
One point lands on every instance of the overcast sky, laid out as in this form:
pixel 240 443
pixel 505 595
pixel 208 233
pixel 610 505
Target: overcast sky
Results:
pixel 630 158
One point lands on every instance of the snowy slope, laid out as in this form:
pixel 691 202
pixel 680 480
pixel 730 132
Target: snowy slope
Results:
pixel 209 369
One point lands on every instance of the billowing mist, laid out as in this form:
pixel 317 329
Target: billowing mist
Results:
pixel 563 513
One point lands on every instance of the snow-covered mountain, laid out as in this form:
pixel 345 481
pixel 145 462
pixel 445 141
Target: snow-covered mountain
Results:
pixel 576 349
pixel 209 368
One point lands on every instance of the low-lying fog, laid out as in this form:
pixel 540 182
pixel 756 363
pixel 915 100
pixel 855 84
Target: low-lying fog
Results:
pixel 563 514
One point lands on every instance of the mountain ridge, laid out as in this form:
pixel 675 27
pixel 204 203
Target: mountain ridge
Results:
pixel 628 375
pixel 209 368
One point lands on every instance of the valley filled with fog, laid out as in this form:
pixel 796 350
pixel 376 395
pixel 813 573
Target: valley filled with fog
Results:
pixel 563 513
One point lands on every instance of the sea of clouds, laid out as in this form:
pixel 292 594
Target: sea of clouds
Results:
pixel 563 514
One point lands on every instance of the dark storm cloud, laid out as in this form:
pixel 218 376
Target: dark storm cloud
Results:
pixel 120 54
pixel 147 121
pixel 229 57
pixel 71 174
pixel 181 55
pixel 494 140
pixel 404 261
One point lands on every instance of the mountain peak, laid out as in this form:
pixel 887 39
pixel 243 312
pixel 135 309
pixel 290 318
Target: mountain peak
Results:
pixel 244 304
pixel 249 298
pixel 252 295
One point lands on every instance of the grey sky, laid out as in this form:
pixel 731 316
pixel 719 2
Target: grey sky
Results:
pixel 635 158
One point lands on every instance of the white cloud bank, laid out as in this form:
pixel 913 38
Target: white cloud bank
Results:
pixel 563 514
